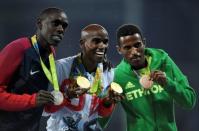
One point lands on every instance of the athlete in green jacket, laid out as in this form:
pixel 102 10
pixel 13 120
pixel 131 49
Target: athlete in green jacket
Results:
pixel 151 82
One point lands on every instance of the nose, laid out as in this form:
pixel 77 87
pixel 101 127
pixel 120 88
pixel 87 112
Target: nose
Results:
pixel 60 29
pixel 102 45
pixel 134 51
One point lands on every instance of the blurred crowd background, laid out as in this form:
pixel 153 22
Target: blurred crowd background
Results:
pixel 168 24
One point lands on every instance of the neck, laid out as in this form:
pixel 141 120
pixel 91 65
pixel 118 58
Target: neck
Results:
pixel 44 45
pixel 143 65
pixel 89 65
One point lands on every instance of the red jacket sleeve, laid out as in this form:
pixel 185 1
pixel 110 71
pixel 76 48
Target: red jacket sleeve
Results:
pixel 103 110
pixel 10 59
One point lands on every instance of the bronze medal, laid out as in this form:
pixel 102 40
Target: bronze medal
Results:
pixel 146 82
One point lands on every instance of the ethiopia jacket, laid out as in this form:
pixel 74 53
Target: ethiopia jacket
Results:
pixel 78 114
pixel 21 77
pixel 153 109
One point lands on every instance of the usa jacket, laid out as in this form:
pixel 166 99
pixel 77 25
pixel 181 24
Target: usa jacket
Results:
pixel 21 77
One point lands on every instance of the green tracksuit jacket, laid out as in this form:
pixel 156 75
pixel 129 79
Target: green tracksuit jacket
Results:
pixel 153 109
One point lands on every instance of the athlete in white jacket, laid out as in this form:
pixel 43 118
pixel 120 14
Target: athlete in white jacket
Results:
pixel 80 110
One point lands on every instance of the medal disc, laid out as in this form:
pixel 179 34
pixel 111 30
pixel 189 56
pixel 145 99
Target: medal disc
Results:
pixel 116 87
pixel 146 82
pixel 58 97
pixel 83 82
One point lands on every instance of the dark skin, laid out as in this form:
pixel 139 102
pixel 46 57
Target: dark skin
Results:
pixel 74 91
pixel 44 97
pixel 50 32
pixel 132 47
pixel 114 97
pixel 93 43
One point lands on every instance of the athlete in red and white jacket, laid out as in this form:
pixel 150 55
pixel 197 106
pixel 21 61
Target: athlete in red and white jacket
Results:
pixel 80 113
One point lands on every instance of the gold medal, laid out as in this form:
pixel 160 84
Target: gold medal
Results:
pixel 116 87
pixel 83 82
pixel 146 82
pixel 58 97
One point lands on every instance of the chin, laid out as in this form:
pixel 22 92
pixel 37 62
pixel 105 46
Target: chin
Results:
pixel 133 63
pixel 54 44
pixel 99 59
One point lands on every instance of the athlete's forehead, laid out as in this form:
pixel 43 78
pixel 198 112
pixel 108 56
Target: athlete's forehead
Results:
pixel 93 30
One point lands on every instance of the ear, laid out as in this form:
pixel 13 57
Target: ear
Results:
pixel 39 24
pixel 118 49
pixel 81 41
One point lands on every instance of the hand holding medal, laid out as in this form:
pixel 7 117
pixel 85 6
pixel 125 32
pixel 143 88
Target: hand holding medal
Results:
pixel 116 87
pixel 83 82
pixel 115 93
pixel 51 73
pixel 144 77
pixel 77 87
pixel 156 76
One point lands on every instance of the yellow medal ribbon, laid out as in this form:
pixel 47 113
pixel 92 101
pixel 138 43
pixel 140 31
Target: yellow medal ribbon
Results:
pixel 79 70
pixel 50 74
pixel 146 70
pixel 96 87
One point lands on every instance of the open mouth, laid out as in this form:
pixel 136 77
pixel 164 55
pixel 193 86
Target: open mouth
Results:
pixel 99 53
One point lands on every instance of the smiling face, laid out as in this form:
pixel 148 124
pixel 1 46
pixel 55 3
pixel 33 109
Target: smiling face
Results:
pixel 132 49
pixel 52 28
pixel 94 43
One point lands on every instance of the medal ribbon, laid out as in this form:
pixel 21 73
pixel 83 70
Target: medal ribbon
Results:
pixel 146 70
pixel 79 70
pixel 50 74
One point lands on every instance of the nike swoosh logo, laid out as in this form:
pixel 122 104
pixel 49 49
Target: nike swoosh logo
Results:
pixel 33 72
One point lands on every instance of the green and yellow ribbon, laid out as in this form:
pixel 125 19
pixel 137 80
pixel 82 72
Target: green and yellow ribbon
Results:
pixel 146 70
pixel 52 73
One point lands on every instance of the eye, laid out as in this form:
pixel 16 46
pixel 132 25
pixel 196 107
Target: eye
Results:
pixel 64 25
pixel 96 40
pixel 127 47
pixel 105 41
pixel 99 40
pixel 58 22
pixel 137 45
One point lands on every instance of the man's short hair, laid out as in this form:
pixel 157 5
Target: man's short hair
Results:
pixel 44 13
pixel 127 29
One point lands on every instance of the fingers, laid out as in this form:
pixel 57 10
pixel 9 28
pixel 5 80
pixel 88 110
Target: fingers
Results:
pixel 158 77
pixel 44 97
pixel 115 97
pixel 75 92
pixel 81 91
pixel 76 89
pixel 119 98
